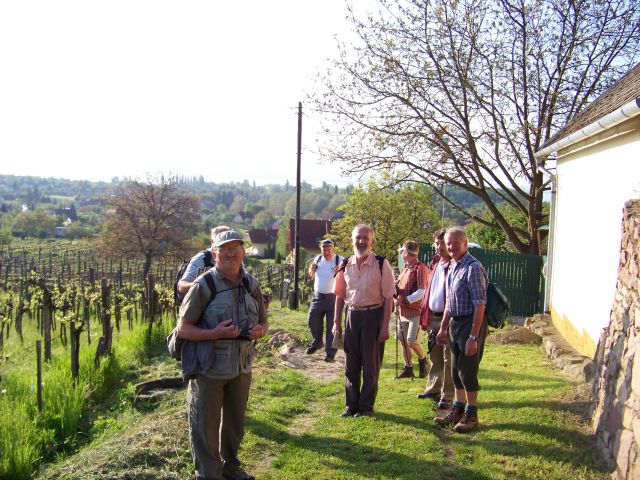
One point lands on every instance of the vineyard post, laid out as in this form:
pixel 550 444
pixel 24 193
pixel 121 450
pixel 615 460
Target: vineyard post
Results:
pixel 47 311
pixel 117 300
pixel 75 350
pixel 39 374
pixel 19 312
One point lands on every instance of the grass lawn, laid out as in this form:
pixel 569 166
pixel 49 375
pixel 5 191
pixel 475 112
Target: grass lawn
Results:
pixel 531 427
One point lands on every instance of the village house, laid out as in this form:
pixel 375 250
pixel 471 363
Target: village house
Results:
pixel 311 232
pixel 262 241
pixel 597 170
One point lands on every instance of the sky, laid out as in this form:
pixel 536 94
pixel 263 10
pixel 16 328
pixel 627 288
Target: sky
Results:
pixel 95 90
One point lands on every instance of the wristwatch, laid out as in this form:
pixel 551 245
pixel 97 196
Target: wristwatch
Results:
pixel 473 337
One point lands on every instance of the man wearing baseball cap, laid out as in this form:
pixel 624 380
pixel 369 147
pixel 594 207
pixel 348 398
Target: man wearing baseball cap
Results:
pixel 410 294
pixel 323 270
pixel 222 326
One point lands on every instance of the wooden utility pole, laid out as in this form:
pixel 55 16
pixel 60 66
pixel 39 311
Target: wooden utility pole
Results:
pixel 296 276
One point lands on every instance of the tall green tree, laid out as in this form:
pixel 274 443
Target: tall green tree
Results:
pixel 494 238
pixel 152 220
pixel 37 223
pixel 396 211
pixel 463 92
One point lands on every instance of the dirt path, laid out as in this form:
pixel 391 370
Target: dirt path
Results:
pixel 293 355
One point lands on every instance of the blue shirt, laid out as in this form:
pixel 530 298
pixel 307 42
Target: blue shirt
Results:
pixel 196 266
pixel 466 286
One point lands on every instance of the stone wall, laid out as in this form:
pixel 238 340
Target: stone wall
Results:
pixel 616 386
pixel 575 365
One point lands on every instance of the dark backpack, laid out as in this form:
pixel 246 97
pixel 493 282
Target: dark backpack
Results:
pixel 498 307
pixel 208 263
pixel 174 343
pixel 343 265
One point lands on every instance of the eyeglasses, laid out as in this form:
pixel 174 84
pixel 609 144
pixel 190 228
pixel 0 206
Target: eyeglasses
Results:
pixel 229 250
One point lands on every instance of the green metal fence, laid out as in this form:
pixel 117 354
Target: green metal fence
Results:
pixel 519 276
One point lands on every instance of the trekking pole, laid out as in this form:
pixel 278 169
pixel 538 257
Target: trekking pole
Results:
pixel 397 326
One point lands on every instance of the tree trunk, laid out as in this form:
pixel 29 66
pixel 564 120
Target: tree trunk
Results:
pixel 151 301
pixel 104 344
pixel 147 265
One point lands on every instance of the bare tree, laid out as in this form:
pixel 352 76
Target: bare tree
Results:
pixel 463 92
pixel 150 219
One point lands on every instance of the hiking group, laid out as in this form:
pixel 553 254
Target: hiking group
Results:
pixel 222 312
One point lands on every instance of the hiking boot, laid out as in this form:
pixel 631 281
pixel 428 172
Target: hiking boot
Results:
pixel 454 416
pixel 431 396
pixel 347 412
pixel 423 367
pixel 237 474
pixel 314 349
pixel 467 423
pixel 407 372
pixel 330 358
pixel 363 413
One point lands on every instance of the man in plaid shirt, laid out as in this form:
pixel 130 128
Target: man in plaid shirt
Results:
pixel 410 294
pixel 463 321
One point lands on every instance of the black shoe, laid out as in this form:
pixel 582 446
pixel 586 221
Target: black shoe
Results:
pixel 431 396
pixel 314 349
pixel 407 372
pixel 363 413
pixel 423 367
pixel 237 474
pixel 330 358
pixel 347 412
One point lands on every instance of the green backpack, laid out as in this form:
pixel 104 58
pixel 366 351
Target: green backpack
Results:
pixel 498 307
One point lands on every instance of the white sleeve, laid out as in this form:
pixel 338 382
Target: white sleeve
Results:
pixel 415 296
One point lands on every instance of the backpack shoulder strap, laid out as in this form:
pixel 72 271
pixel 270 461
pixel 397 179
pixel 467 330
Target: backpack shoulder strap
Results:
pixel 380 259
pixel 337 259
pixel 208 277
pixel 208 259
pixel 343 265
pixel 317 262
pixel 247 284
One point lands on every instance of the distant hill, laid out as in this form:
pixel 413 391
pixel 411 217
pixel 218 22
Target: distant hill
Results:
pixel 243 205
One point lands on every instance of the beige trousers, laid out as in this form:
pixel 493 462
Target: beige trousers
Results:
pixel 439 378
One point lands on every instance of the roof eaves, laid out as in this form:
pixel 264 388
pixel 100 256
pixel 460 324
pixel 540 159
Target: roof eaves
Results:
pixel 627 111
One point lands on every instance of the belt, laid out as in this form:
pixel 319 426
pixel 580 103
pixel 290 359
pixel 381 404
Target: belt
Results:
pixel 438 314
pixel 462 318
pixel 354 308
pixel 318 294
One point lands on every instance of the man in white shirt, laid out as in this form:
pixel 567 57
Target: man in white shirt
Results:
pixel 323 270
pixel 439 385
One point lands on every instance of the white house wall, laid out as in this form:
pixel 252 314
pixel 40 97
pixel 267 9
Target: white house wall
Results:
pixel 593 185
